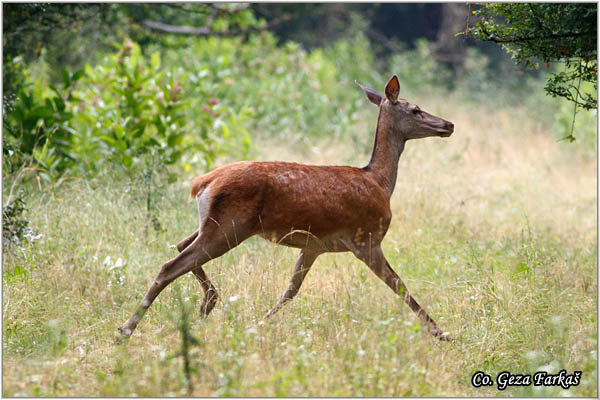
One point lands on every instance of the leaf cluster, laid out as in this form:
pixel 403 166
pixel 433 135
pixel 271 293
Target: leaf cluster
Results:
pixel 548 33
pixel 15 225
pixel 38 127
pixel 130 108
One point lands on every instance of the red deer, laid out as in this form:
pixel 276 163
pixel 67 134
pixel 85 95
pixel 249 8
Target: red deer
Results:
pixel 317 209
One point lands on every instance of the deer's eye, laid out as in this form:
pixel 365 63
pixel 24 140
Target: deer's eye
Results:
pixel 416 110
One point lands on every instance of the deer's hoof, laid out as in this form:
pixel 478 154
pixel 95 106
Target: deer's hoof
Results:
pixel 126 332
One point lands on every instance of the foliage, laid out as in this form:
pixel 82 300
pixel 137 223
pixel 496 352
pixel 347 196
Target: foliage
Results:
pixel 136 112
pixel 130 109
pixel 550 33
pixel 185 102
pixel 285 89
pixel 15 226
pixel 29 29
pixel 38 127
pixel 203 19
pixel 32 28
pixel 13 79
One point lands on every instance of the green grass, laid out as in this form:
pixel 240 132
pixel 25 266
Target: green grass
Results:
pixel 494 233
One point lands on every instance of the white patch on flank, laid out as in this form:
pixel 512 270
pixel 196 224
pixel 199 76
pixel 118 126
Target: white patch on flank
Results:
pixel 203 199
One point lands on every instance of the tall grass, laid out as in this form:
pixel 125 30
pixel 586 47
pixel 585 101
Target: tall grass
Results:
pixel 494 232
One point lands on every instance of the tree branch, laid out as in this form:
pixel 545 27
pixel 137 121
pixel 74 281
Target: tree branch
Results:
pixel 177 29
pixel 492 38
pixel 205 30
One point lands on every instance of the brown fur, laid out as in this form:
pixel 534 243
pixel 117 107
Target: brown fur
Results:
pixel 282 197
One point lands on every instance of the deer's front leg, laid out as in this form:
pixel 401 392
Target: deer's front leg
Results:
pixel 305 261
pixel 376 261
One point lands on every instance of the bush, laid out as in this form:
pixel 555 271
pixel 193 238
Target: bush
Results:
pixel 129 109
pixel 135 112
pixel 39 130
pixel 15 226
pixel 289 91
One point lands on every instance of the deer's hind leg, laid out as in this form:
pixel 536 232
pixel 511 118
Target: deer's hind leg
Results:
pixel 210 292
pixel 185 261
pixel 212 242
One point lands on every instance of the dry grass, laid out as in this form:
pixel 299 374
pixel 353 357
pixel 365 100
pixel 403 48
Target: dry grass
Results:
pixel 494 232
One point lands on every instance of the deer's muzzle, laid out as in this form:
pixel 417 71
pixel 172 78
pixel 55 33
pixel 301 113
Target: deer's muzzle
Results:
pixel 447 129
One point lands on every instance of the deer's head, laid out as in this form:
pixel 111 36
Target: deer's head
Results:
pixel 406 119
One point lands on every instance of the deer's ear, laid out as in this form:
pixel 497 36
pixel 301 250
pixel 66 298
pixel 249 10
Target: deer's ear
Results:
pixel 373 96
pixel 392 89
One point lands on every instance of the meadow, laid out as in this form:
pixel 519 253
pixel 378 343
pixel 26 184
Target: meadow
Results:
pixel 493 231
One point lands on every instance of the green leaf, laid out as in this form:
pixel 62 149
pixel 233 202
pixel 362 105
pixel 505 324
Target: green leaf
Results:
pixel 42 112
pixel 175 139
pixel 26 98
pixel 55 90
pixel 173 157
pixel 121 145
pixel 90 72
pixel 155 61
pixel 172 178
pixel 60 104
pixel 126 160
pixel 66 77
pixel 77 75
pixel 108 140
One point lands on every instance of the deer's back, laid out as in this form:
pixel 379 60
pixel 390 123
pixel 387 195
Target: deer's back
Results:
pixel 327 201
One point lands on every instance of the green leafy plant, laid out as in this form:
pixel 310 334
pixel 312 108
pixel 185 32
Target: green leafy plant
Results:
pixel 135 112
pixel 38 127
pixel 285 89
pixel 15 226
pixel 130 110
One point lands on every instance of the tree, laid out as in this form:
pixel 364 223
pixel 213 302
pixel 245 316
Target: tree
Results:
pixel 551 33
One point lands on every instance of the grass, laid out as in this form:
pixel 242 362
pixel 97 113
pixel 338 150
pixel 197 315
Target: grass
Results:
pixel 494 232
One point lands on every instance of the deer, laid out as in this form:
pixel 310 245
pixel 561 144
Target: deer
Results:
pixel 314 208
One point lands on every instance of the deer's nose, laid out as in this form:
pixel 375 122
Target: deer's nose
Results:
pixel 450 126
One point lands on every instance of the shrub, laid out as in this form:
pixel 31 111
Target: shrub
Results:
pixel 289 91
pixel 133 110
pixel 15 226
pixel 129 109
pixel 38 128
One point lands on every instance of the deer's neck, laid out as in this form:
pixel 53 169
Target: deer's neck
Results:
pixel 386 153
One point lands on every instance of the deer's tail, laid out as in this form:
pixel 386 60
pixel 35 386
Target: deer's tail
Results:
pixel 199 184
